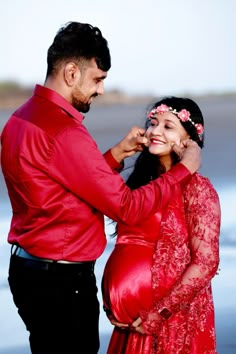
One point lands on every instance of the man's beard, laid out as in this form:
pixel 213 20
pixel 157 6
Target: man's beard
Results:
pixel 81 106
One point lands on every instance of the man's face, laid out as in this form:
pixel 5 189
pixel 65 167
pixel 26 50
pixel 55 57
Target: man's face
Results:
pixel 89 85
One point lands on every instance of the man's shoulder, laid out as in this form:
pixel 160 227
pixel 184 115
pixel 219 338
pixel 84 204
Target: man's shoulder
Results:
pixel 44 115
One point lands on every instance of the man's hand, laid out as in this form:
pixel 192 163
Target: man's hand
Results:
pixel 130 144
pixel 189 154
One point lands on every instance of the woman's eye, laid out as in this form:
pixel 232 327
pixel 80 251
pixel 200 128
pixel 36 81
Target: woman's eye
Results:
pixel 153 123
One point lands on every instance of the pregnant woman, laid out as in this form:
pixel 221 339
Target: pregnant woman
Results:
pixel 157 280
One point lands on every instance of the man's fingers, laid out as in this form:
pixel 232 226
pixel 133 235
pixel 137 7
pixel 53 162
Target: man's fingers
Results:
pixel 188 142
pixel 178 150
pixel 191 157
pixel 142 140
pixel 139 140
pixel 137 131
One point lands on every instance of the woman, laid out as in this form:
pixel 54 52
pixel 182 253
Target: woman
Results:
pixel 157 281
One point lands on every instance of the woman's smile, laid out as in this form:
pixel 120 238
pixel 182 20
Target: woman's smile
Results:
pixel 157 141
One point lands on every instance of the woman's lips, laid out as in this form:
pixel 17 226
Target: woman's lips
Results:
pixel 157 141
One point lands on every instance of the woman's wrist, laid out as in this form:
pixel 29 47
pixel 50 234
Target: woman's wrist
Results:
pixel 165 313
pixel 151 321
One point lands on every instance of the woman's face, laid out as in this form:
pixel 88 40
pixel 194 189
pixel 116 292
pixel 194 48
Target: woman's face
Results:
pixel 164 130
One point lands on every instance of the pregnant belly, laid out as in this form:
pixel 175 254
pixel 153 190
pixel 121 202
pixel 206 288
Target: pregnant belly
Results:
pixel 126 284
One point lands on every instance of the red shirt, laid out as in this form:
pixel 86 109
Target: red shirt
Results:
pixel 60 184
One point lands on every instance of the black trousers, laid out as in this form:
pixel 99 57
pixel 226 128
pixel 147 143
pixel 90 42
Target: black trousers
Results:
pixel 58 304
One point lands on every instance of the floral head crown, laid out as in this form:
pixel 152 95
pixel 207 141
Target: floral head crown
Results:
pixel 183 115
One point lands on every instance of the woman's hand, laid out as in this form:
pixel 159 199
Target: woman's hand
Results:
pixel 118 324
pixel 113 321
pixel 137 326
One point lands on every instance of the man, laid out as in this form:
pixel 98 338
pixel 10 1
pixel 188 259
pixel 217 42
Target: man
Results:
pixel 60 186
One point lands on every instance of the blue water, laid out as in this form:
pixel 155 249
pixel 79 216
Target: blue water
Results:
pixel 227 197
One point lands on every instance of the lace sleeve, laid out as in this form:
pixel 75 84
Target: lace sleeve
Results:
pixel 202 211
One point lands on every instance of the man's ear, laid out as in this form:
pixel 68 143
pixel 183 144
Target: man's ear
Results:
pixel 71 72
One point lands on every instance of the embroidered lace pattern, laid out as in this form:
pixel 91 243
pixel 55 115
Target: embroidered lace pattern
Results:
pixel 185 261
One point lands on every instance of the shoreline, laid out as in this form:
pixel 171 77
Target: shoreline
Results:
pixel 10 100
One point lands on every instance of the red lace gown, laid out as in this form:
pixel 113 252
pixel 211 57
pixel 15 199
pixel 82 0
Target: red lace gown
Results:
pixel 167 261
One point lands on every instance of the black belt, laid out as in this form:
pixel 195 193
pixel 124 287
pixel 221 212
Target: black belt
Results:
pixel 47 264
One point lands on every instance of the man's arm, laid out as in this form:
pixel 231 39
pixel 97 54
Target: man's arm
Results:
pixel 102 189
pixel 128 146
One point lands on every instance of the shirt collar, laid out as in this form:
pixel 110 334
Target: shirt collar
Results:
pixel 56 98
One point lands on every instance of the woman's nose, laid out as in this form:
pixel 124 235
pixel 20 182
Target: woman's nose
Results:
pixel 157 130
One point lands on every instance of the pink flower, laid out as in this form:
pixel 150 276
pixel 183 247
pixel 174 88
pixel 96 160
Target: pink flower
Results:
pixel 199 127
pixel 163 108
pixel 152 113
pixel 184 115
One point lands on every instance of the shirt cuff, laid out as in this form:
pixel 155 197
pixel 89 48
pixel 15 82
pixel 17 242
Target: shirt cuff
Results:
pixel 115 165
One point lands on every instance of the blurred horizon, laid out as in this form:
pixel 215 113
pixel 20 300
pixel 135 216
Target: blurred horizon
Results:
pixel 13 92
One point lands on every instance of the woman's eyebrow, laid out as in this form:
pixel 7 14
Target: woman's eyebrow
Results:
pixel 170 121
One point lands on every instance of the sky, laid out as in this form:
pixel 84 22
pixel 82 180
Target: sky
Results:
pixel 157 46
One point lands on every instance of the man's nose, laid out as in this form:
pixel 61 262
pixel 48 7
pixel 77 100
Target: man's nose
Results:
pixel 100 89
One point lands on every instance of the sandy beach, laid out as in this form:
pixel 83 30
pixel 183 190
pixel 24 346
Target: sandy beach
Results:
pixel 108 124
